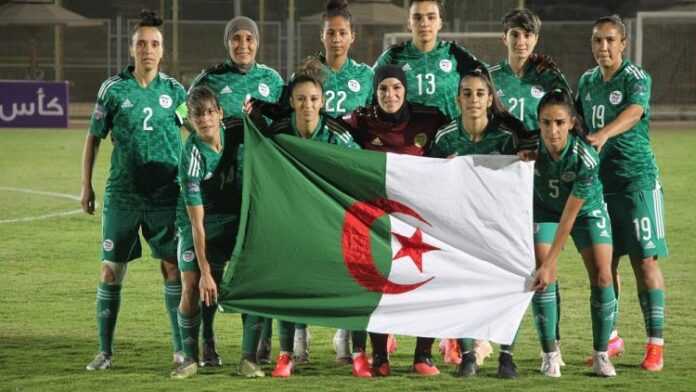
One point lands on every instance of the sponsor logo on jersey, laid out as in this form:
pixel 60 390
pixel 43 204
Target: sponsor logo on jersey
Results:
pixel 126 104
pixel 226 90
pixel 500 93
pixel 650 245
pixel 188 256
pixel 264 90
pixel 588 97
pixel 604 234
pixel 165 101
pixel 208 176
pixel 99 112
pixel 616 97
pixel 420 140
pixel 568 176
pixel 376 142
pixel 108 245
pixel 446 65
pixel 406 67
pixel 537 91
pixel 354 85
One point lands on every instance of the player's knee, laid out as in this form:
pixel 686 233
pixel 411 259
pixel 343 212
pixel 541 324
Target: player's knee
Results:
pixel 113 273
pixel 170 271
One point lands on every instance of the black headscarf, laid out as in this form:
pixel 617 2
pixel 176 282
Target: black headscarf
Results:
pixel 384 72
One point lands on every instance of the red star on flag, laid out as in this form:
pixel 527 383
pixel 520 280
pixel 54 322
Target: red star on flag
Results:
pixel 413 247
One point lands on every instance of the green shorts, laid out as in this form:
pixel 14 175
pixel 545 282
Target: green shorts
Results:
pixel 637 219
pixel 121 239
pixel 591 229
pixel 220 240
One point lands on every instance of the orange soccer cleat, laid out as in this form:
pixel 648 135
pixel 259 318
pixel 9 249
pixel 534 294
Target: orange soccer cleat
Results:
pixel 284 366
pixel 653 360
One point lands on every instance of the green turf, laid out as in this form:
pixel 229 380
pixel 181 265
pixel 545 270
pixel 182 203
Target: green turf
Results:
pixel 49 271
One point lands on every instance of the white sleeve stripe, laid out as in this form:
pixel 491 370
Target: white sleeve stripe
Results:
pixel 444 132
pixel 106 86
pixel 194 165
pixel 587 155
pixel 589 162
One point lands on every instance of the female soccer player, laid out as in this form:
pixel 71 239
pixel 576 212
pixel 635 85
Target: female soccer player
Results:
pixel 568 201
pixel 485 127
pixel 141 108
pixel 432 67
pixel 234 81
pixel 615 100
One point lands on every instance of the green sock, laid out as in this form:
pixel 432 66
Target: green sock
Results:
pixel 616 308
pixel 545 310
pixel 558 311
pixel 108 302
pixel 602 306
pixel 208 312
pixel 188 329
pixel 267 332
pixel 652 303
pixel 286 335
pixel 300 326
pixel 172 297
pixel 251 332
pixel 466 345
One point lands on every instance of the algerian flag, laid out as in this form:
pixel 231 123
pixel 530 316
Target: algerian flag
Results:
pixel 382 242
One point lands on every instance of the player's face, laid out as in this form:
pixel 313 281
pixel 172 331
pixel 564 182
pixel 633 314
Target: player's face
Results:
pixel 337 36
pixel 390 95
pixel 607 45
pixel 424 21
pixel 146 48
pixel 474 97
pixel 520 43
pixel 242 46
pixel 206 118
pixel 307 99
pixel 555 122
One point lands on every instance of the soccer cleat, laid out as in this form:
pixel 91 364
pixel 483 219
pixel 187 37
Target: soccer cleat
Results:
pixel 601 365
pixel 210 355
pixel 615 348
pixel 449 348
pixel 263 352
pixel 380 366
pixel 550 364
pixel 483 350
pixel 468 367
pixel 653 360
pixel 301 346
pixel 101 362
pixel 423 365
pixel 284 366
pixel 178 359
pixel 391 344
pixel 249 369
pixel 187 369
pixel 361 367
pixel 341 343
pixel 506 366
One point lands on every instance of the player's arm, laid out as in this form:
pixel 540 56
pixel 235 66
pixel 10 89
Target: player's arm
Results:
pixel 207 286
pixel 89 156
pixel 546 272
pixel 626 120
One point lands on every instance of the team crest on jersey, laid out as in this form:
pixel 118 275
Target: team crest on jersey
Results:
pixel 99 112
pixel 446 65
pixel 420 140
pixel 376 142
pixel 354 85
pixel 108 245
pixel 616 97
pixel 537 92
pixel 568 176
pixel 188 256
pixel 226 90
pixel 165 101
pixel 264 90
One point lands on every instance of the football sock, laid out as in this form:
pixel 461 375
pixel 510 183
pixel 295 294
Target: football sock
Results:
pixel 466 345
pixel 208 312
pixel 108 302
pixel 602 307
pixel 172 297
pixel 359 339
pixel 379 344
pixel 286 335
pixel 252 326
pixel 267 331
pixel 188 329
pixel 652 303
pixel 424 346
pixel 545 310
pixel 558 311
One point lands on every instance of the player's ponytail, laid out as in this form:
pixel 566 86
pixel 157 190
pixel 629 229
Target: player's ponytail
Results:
pixel 338 8
pixel 148 18
pixel 311 70
pixel 562 97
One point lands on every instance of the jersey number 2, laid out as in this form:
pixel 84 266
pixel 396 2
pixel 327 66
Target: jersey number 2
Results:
pixel 148 115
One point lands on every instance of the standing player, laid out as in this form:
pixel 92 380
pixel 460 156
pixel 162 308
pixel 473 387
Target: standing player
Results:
pixel 235 80
pixel 615 100
pixel 568 202
pixel 140 107
pixel 432 67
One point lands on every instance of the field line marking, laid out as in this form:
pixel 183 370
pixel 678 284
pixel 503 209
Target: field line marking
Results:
pixel 41 193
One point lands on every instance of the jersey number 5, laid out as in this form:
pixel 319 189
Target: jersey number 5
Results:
pixel 148 115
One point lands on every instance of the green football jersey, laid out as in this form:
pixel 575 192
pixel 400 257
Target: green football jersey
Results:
pixel 521 96
pixel 432 77
pixel 326 132
pixel 144 124
pixel 454 140
pixel 627 160
pixel 348 88
pixel 575 173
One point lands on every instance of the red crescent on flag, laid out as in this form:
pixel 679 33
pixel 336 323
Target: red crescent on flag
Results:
pixel 357 252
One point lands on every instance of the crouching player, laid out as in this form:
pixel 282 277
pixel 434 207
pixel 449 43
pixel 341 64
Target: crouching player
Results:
pixel 568 200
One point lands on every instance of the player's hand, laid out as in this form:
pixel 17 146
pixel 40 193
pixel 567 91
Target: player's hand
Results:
pixel 247 107
pixel 543 277
pixel 597 140
pixel 208 289
pixel 527 155
pixel 87 199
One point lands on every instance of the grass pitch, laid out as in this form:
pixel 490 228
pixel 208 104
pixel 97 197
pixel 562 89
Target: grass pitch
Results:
pixel 49 268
